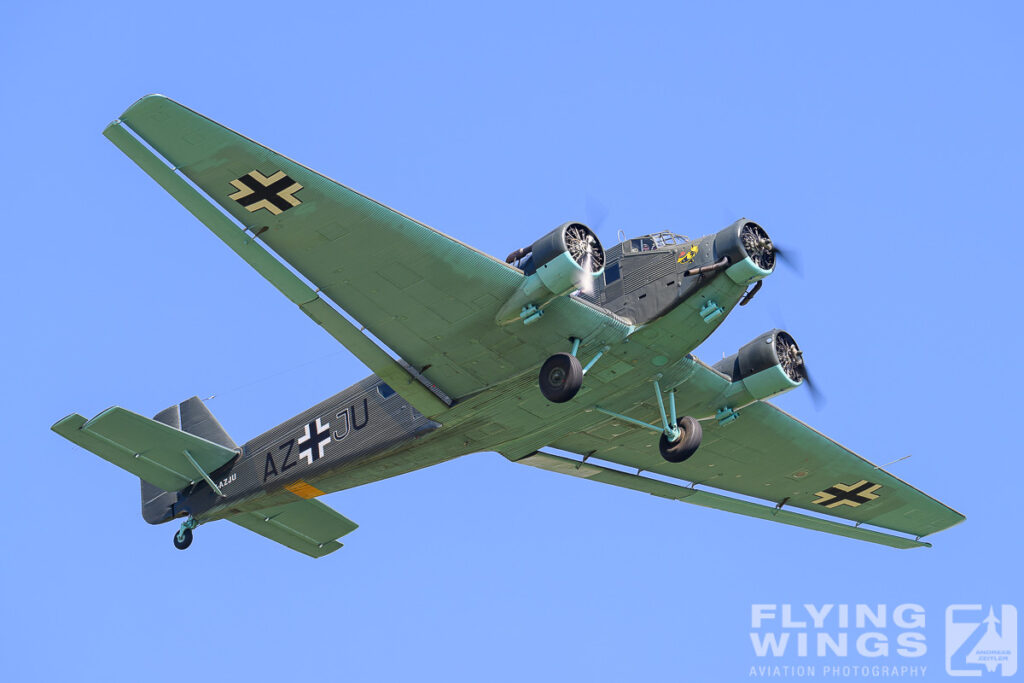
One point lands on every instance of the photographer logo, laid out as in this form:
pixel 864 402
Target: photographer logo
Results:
pixel 981 640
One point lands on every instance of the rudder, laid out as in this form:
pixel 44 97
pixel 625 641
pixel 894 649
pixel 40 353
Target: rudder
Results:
pixel 190 416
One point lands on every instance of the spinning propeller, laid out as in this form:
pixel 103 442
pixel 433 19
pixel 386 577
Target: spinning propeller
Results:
pixel 585 250
pixel 792 361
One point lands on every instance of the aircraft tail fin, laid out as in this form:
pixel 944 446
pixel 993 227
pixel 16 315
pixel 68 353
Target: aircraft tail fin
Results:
pixel 191 416
pixel 178 449
pixel 157 504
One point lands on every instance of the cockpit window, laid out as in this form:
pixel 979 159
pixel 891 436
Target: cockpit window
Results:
pixel 657 240
pixel 642 244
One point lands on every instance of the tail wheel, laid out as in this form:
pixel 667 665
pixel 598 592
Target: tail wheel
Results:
pixel 561 377
pixel 183 539
pixel 687 443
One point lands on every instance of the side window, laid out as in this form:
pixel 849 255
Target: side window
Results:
pixel 611 274
pixel 385 391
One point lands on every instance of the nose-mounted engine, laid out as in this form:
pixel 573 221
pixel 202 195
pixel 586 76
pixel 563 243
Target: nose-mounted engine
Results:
pixel 568 258
pixel 750 252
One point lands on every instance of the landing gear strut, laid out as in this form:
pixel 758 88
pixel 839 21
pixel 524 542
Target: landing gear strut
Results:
pixel 680 438
pixel 183 538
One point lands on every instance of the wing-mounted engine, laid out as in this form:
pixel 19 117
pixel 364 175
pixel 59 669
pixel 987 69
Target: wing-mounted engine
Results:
pixel 568 258
pixel 768 366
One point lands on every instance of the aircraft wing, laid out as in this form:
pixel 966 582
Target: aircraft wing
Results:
pixel 428 297
pixel 768 454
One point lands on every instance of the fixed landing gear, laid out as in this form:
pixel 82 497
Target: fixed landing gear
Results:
pixel 183 537
pixel 686 444
pixel 561 377
pixel 680 438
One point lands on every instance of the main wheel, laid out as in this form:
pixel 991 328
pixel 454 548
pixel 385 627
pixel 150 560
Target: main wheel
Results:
pixel 186 540
pixel 561 377
pixel 686 445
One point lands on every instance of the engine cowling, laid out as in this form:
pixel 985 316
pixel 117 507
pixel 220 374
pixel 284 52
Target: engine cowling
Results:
pixel 749 249
pixel 568 258
pixel 565 256
pixel 769 365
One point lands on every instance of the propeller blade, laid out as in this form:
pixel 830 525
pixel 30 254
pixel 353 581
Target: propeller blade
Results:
pixel 791 258
pixel 817 397
pixel 595 211
pixel 585 277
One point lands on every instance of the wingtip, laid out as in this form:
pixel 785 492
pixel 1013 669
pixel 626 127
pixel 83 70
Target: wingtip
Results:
pixel 152 98
pixel 70 422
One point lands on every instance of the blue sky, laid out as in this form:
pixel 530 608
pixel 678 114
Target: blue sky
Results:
pixel 881 140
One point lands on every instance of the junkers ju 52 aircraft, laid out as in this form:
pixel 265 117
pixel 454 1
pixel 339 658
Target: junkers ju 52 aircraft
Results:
pixel 563 346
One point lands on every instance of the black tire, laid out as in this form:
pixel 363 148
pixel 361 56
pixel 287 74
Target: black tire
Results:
pixel 687 444
pixel 561 377
pixel 181 545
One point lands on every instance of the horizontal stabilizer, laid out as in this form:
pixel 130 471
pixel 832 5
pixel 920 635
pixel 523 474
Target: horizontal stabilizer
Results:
pixel 158 453
pixel 664 489
pixel 308 526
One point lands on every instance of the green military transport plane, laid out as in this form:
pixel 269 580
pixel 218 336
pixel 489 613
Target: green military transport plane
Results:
pixel 608 331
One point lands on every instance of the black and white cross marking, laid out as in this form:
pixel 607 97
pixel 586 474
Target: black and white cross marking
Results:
pixel 275 193
pixel 311 444
pixel 853 495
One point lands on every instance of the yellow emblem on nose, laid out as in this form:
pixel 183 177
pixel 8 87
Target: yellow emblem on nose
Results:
pixel 686 257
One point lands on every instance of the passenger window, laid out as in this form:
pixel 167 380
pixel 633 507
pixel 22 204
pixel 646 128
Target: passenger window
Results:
pixel 385 391
pixel 611 274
